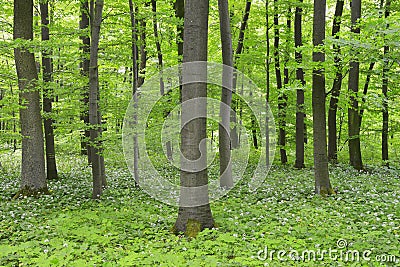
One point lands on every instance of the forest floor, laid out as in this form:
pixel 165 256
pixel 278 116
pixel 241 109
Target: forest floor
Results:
pixel 282 224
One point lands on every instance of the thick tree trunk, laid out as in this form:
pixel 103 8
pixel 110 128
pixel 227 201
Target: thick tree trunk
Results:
pixel 239 49
pixel 281 96
pixel 48 96
pixel 225 165
pixel 33 177
pixel 337 85
pixel 300 115
pixel 192 216
pixel 322 182
pixel 94 119
pixel 353 83
pixel 385 104
pixel 84 65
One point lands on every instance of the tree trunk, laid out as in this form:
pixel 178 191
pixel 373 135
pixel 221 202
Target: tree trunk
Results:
pixel 239 49
pixel 281 97
pixel 225 164
pixel 193 216
pixel 85 48
pixel 337 85
pixel 322 182
pixel 48 96
pixel 160 71
pixel 135 82
pixel 143 49
pixel 365 90
pixel 33 177
pixel 300 115
pixel 268 78
pixel 94 119
pixel 385 104
pixel 353 83
pixel 179 7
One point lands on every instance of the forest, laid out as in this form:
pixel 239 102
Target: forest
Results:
pixel 199 133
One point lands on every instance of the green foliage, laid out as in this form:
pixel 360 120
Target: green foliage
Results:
pixel 128 228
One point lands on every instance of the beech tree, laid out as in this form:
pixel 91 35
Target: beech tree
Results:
pixel 353 87
pixel 225 166
pixel 33 177
pixel 94 114
pixel 322 182
pixel 194 212
pixel 47 65
pixel 337 85
pixel 300 126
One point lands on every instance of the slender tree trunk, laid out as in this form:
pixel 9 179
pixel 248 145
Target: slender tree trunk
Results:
pixel 365 90
pixel 94 119
pixel 322 182
pixel 160 71
pixel 48 96
pixel 268 79
pixel 281 98
pixel 385 104
pixel 337 85
pixel 239 49
pixel 143 49
pixel 135 83
pixel 33 177
pixel 194 216
pixel 179 7
pixel 84 65
pixel 300 115
pixel 225 165
pixel 353 84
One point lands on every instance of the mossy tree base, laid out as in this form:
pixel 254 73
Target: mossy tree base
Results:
pixel 192 228
pixel 31 192
pixel 325 191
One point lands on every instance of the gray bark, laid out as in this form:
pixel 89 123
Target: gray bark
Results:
pixel 47 66
pixel 322 182
pixel 225 165
pixel 94 119
pixel 354 118
pixel 33 177
pixel 191 219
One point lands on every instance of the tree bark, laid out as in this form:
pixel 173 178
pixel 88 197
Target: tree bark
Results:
pixel 353 84
pixel 281 97
pixel 385 104
pixel 225 165
pixel 135 83
pixel 179 7
pixel 48 96
pixel 94 119
pixel 193 218
pixel 160 71
pixel 337 85
pixel 268 79
pixel 239 49
pixel 33 177
pixel 322 182
pixel 84 65
pixel 300 115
